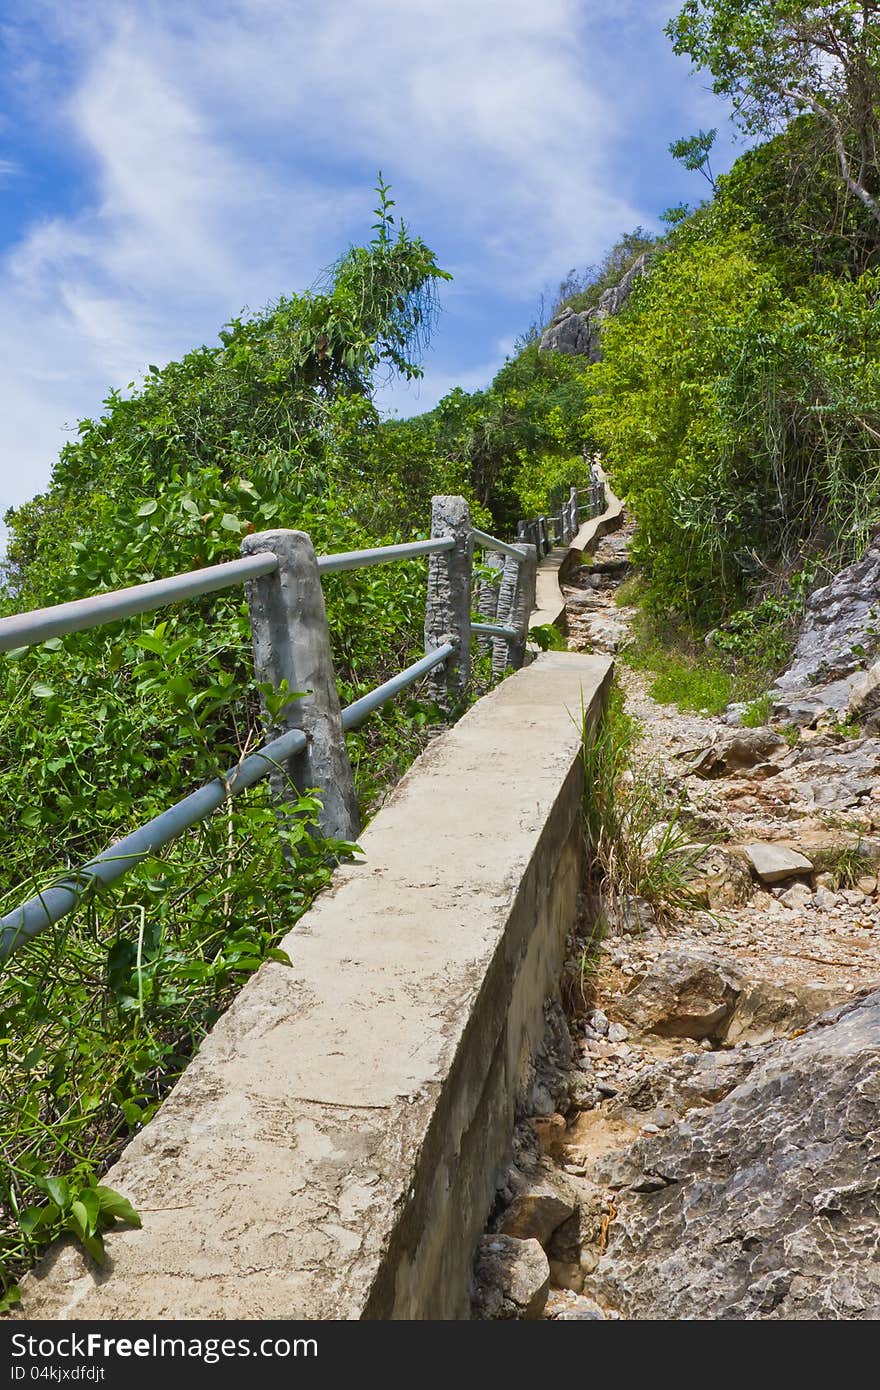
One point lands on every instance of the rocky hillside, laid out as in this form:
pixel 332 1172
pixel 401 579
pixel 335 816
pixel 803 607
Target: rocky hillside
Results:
pixel 701 1139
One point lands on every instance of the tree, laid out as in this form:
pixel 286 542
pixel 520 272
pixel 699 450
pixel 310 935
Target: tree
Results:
pixel 778 59
pixel 693 152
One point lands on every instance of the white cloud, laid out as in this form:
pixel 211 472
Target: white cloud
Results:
pixel 227 152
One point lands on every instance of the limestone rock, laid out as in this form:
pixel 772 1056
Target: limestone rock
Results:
pixel 774 863
pixel 864 700
pixel 581 333
pixel 839 627
pixel 685 994
pixel 573 333
pixel 767 1205
pixel 766 1010
pixel 536 1213
pixel 511 1278
pixel 744 749
pixel 635 915
pixel 573 1307
pixel 797 897
pixel 722 879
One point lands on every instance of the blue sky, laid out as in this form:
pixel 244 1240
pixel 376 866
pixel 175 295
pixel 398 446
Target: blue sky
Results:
pixel 165 165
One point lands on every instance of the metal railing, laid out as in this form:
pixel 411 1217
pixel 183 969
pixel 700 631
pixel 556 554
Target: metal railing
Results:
pixel 545 532
pixel 291 641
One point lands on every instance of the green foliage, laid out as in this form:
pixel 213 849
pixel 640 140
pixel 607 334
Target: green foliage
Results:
pixel 99 731
pixel 515 449
pixel 757 713
pixel 777 59
pixel 694 151
pixel 547 637
pixel 739 416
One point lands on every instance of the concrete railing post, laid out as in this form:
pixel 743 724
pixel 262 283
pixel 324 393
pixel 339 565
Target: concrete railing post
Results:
pixel 292 643
pixel 573 512
pixel 448 608
pixel 516 603
pixel 487 596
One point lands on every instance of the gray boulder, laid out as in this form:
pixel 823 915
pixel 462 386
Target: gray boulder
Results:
pixel 685 994
pixel 838 635
pixel 511 1279
pixel 767 1205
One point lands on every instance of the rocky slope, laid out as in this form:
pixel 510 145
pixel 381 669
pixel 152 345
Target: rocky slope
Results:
pixel 581 333
pixel 701 1138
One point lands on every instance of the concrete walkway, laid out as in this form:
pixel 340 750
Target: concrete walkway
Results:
pixel 331 1151
pixel 550 600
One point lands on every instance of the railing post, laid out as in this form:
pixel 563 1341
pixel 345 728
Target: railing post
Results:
pixel 516 602
pixel 573 512
pixel 292 643
pixel 448 608
pixel 487 597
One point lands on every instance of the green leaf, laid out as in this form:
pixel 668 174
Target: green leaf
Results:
pixel 230 523
pixel 147 508
pixel 90 1201
pixel 115 1205
pixel 34 1219
pixel 41 691
pixel 58 1189
pixel 9 1298
pixel 78 1219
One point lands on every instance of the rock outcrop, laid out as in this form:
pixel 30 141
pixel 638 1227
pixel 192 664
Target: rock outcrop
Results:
pixel 839 634
pixel 581 333
pixel 766 1205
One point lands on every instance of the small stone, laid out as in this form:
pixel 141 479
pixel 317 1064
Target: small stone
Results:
pixel 867 885
pixel 617 1033
pixel 636 915
pixel 511 1278
pixel 797 897
pixel 536 1213
pixel 599 1022
pixel 566 1275
pixel 853 897
pixel 581 1310
pixel 605 1089
pixel 824 899
pixel 773 863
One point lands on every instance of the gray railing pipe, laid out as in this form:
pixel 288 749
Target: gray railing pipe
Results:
pixel 24 629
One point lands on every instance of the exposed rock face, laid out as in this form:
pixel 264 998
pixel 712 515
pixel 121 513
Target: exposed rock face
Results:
pixel 511 1278
pixel 744 749
pixel 686 995
pixel 864 700
pixel 767 1205
pixel 581 333
pixel 839 631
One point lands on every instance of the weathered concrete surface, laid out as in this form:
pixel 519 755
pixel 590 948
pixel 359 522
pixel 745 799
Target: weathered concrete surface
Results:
pixel 550 600
pixel 331 1151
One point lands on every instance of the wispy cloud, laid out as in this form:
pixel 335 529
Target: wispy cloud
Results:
pixel 221 155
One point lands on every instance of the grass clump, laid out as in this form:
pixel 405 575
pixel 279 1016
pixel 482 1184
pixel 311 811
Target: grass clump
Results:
pixel 639 843
pixel 757 713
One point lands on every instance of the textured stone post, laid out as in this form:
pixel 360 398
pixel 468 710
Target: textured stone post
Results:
pixel 516 603
pixel 574 518
pixel 448 609
pixel 487 596
pixel 292 643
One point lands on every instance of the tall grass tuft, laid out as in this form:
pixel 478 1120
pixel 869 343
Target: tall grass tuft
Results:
pixel 636 838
